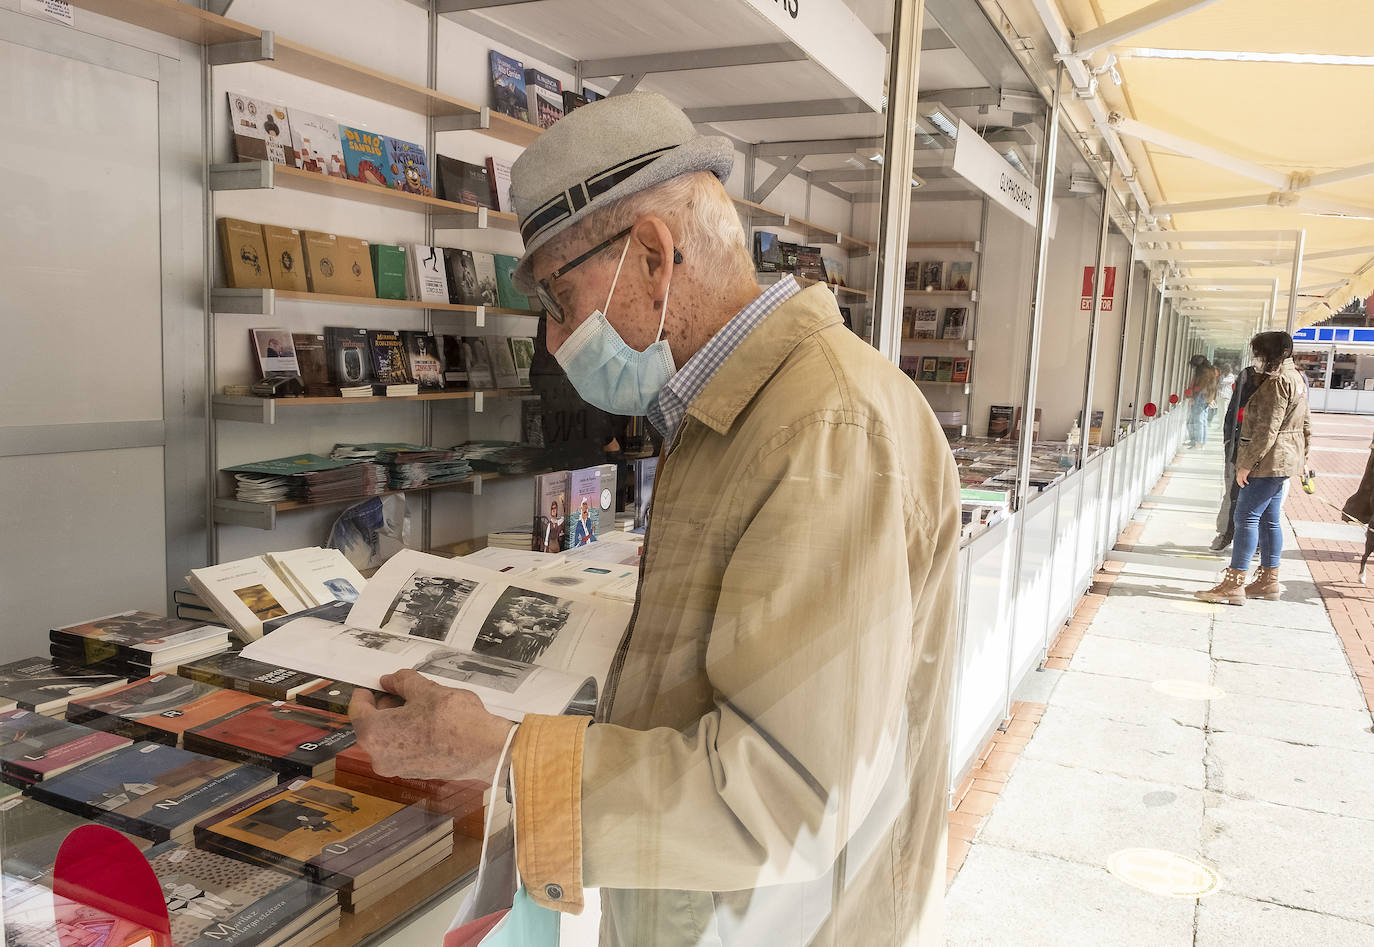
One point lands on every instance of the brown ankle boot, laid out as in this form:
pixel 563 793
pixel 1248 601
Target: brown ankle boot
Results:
pixel 1230 591
pixel 1266 584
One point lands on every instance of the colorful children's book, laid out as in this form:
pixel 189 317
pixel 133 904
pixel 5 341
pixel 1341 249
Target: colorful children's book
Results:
pixel 365 157
pixel 407 167
pixel 508 94
pixel 315 139
pixel 262 131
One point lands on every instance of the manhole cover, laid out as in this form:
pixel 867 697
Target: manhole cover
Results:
pixel 1189 690
pixel 1163 873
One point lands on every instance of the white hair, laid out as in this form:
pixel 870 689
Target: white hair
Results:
pixel 699 214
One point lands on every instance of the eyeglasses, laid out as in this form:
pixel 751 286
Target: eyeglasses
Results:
pixel 544 290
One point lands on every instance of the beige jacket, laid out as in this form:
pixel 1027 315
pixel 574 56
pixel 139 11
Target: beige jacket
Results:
pixel 771 757
pixel 1277 430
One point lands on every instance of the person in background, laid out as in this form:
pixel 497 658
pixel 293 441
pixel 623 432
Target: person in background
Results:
pixel 1202 395
pixel 1275 437
pixel 1226 380
pixel 1235 396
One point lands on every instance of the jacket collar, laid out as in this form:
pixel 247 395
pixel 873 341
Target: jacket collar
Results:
pixel 758 356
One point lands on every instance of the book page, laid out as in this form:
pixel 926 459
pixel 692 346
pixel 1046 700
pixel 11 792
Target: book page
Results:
pixel 452 602
pixel 362 656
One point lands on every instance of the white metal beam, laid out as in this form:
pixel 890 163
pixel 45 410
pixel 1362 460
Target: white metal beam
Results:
pixel 1327 178
pixel 1336 254
pixel 1217 236
pixel 1213 156
pixel 1260 256
pixel 762 54
pixel 1148 17
pixel 1219 203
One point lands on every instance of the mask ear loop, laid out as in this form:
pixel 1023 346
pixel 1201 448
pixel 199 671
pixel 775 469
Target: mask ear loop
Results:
pixel 615 279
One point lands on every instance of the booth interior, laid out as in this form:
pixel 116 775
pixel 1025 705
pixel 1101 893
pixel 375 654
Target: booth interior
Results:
pixel 1049 351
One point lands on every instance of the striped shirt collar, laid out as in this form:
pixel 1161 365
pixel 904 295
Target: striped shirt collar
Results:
pixel 670 406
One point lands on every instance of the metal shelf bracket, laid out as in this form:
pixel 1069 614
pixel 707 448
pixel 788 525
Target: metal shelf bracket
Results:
pixel 242 176
pixel 467 122
pixel 262 49
pixel 242 513
pixel 246 302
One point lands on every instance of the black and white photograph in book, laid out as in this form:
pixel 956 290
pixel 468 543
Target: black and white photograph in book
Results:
pixel 480 670
pixel 427 605
pixel 522 624
pixel 376 640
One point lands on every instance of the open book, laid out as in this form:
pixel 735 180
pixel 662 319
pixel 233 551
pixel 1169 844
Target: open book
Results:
pixel 521 645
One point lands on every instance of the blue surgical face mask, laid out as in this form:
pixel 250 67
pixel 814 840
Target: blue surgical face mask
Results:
pixel 604 369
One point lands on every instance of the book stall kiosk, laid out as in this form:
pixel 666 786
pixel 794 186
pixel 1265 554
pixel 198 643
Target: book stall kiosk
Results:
pixel 816 167
pixel 1332 357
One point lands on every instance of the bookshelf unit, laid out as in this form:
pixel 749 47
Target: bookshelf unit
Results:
pixel 941 390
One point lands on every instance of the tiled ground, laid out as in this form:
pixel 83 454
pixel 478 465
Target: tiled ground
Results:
pixel 1270 785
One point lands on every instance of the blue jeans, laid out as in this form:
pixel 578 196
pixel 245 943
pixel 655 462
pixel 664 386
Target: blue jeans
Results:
pixel 1197 428
pixel 1257 522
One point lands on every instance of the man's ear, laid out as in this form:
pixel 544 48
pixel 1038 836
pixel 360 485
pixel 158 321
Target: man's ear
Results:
pixel 660 255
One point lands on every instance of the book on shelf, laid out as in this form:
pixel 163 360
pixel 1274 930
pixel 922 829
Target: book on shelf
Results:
pixel 285 737
pixel 45 686
pixel 151 790
pixel 592 95
pixel 135 642
pixel 244 253
pixel 1035 425
pixel 498 175
pixel 550 511
pixel 313 357
pixel 316 141
pixel 910 366
pixel 463 288
pixel 245 593
pixel 508 95
pixel 355 257
pixel 999 420
pixel 463 182
pixel 350 361
pixel 809 263
pixel 847 316
pixel 507 295
pixel 317 575
pixel 767 254
pixel 944 370
pixel 388 270
pixel 646 468
pixel 960 276
pixel 422 359
pixel 285 260
pixel 484 266
pixel 954 323
pixel 234 671
pixel 324 263
pixel 522 353
pixel 836 271
pixel 912 276
pixel 544 96
pixel 787 256
pixel 478 361
pixel 407 167
pixel 908 322
pixel 961 370
pixel 451 354
pixel 572 100
pixel 274 352
pixel 35 747
pixel 364 155
pixel 502 362
pixel 932 275
pixel 521 646
pixel 1095 429
pixel 584 508
pixel 925 324
pixel 532 421
pixel 428 276
pixel 358 844
pixel 262 130
pixel 930 368
pixel 388 359
pixel 213 899
pixel 158 709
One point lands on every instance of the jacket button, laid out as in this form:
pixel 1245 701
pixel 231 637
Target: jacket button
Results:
pixel 554 892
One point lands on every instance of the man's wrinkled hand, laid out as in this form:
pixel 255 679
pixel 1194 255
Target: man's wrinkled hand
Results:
pixel 427 731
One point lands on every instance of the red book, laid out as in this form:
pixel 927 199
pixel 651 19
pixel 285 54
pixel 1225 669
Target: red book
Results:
pixel 285 737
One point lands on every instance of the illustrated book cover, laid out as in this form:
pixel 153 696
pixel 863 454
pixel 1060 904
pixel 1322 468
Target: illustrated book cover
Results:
pixel 522 352
pixel 158 709
pixel 484 265
pixel 508 95
pixel 285 258
pixel 285 737
pixel 422 359
pixel 550 511
pixel 925 324
pixel 463 288
pixel 244 253
pixel 955 323
pixel 365 158
pixel 317 575
pixel 244 593
pixel 262 130
pixel 350 361
pixel 34 747
pixel 45 686
pixel 508 297
pixel 502 362
pixel 429 279
pixel 274 352
pixel 235 671
pixel 317 143
pixel 388 357
pixel 960 276
pixel 408 167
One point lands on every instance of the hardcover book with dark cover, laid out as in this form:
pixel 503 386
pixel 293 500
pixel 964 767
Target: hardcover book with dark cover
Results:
pixel 313 356
pixel 33 832
pixel 364 155
pixel 336 837
pixel 44 686
pixel 464 182
pixel 216 900
pixel 545 94
pixel 508 94
pixel 408 167
pixel 158 709
pixel 135 635
pixel 332 696
pixel 809 265
pixel 388 357
pixel 235 672
pixel 767 254
pixel 350 360
pixel 422 359
pixel 463 287
pixel 572 100
pixel 153 791
pixel 34 747
pixel 290 739
pixel 788 256
pixel 999 420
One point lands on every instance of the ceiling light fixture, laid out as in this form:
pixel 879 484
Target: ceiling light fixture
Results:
pixel 943 121
pixel 1216 55
pixel 1016 160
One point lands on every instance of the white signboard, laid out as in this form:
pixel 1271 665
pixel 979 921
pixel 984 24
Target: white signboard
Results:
pixel 836 39
pixel 58 10
pixel 980 164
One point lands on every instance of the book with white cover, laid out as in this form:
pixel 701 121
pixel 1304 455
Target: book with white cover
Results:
pixel 523 646
pixel 508 562
pixel 425 273
pixel 245 594
pixel 318 576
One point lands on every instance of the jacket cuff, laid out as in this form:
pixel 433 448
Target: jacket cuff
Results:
pixel 546 764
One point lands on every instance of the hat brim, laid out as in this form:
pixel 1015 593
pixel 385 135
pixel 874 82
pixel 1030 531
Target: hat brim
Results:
pixel 702 153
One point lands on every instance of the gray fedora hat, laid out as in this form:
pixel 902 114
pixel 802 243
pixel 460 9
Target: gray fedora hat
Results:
pixel 600 153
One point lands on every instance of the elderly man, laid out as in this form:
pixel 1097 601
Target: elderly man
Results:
pixel 768 763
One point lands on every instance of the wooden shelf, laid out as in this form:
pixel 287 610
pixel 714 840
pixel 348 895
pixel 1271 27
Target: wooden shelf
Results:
pixel 255 175
pixel 973 246
pixel 770 279
pixel 970 294
pixel 256 410
pixel 183 21
pixel 262 302
pixel 963 342
pixel 960 384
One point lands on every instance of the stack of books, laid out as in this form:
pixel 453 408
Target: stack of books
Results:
pixel 33 832
pixel 136 644
pixel 408 465
pixel 235 672
pixel 517 537
pixel 360 845
pixel 502 457
pixel 247 593
pixel 45 686
pixel 158 709
pixel 284 737
pixel 463 800
pixel 307 478
pixel 34 747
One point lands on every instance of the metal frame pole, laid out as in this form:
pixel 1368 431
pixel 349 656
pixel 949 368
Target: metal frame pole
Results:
pixel 1099 284
pixel 1125 329
pixel 1299 245
pixel 895 222
pixel 1156 350
pixel 1140 355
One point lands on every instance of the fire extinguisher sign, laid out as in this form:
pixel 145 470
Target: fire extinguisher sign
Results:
pixel 1108 289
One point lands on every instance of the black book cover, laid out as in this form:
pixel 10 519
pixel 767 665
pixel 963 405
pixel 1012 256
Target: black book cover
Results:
pixel 350 359
pixel 463 286
pixel 388 357
pixel 464 182
pixel 235 672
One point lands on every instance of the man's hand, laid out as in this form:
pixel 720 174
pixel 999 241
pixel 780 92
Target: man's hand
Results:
pixel 427 731
pixel 1242 476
